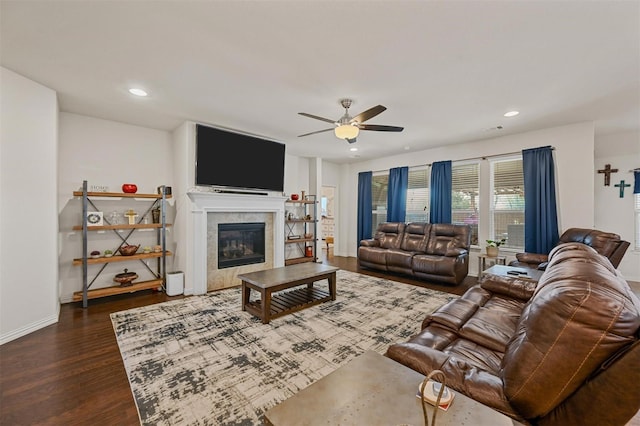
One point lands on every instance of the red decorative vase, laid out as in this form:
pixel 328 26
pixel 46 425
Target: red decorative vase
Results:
pixel 129 188
pixel 294 197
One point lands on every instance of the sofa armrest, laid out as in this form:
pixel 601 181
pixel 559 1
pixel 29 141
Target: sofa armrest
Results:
pixel 509 286
pixel 456 251
pixel 532 257
pixel 369 243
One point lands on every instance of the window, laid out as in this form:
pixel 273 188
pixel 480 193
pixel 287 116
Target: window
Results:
pixel 418 194
pixel 464 197
pixel 507 202
pixel 379 188
pixel 636 203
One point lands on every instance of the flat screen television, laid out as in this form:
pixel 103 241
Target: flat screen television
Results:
pixel 229 159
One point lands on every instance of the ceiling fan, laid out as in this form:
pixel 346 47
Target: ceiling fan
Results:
pixel 347 127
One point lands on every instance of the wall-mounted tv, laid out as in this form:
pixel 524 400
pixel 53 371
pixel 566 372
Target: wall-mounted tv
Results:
pixel 229 159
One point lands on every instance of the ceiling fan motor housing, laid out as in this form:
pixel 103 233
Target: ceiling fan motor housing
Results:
pixel 350 134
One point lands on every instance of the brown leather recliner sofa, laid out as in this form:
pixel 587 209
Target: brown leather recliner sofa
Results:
pixel 563 351
pixel 435 252
pixel 606 243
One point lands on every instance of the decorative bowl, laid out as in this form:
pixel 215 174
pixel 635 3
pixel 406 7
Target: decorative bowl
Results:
pixel 128 250
pixel 129 188
pixel 125 278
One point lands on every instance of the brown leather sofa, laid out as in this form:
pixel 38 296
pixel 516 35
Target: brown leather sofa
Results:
pixel 434 252
pixel 563 351
pixel 606 243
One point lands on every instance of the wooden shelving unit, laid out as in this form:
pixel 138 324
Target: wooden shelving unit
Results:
pixel 120 258
pixel 159 280
pixel 111 291
pixel 299 226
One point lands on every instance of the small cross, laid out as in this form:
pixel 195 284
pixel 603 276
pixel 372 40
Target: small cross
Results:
pixel 132 216
pixel 607 173
pixel 622 186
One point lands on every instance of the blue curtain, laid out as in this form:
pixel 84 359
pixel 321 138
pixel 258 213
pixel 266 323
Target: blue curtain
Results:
pixel 397 194
pixel 636 183
pixel 365 206
pixel 440 198
pixel 540 213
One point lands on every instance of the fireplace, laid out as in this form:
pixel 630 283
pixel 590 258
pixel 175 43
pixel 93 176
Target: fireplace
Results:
pixel 240 244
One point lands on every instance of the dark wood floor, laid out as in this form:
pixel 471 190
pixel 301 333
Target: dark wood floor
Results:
pixel 71 373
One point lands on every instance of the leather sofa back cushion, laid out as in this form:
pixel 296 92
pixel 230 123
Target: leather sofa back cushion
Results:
pixel 445 239
pixel 415 236
pixel 578 252
pixel 544 362
pixel 390 234
pixel 604 243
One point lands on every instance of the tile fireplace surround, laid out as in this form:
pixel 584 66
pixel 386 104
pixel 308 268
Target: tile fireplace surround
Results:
pixel 210 208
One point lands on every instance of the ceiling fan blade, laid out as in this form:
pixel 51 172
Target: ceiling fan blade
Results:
pixel 317 118
pixel 317 131
pixel 368 114
pixel 379 128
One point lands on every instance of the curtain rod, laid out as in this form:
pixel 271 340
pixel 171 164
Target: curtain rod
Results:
pixel 637 169
pixel 484 157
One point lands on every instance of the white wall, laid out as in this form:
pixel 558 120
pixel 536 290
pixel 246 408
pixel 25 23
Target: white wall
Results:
pixel 108 153
pixel 612 213
pixel 573 159
pixel 183 154
pixel 28 212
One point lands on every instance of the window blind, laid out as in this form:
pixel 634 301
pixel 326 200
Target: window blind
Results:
pixel 465 187
pixel 507 201
pixel 418 194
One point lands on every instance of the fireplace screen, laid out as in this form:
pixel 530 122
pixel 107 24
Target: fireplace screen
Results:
pixel 240 244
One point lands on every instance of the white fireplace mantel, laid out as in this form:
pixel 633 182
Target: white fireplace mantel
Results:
pixel 208 202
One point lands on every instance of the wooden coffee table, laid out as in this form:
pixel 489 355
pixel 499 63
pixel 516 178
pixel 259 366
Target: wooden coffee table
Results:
pixel 268 282
pixel 372 389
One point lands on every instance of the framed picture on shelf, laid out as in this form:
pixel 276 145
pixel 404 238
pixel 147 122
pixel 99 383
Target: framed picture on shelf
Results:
pixel 94 219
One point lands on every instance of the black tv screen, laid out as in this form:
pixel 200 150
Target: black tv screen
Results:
pixel 225 158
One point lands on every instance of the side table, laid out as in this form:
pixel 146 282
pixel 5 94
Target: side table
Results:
pixel 485 261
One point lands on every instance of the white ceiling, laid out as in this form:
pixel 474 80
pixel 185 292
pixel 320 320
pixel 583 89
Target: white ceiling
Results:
pixel 446 70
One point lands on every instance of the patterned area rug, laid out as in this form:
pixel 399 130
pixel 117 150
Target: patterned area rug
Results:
pixel 203 361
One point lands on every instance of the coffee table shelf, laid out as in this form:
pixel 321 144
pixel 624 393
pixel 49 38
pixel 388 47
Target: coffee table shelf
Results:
pixel 287 302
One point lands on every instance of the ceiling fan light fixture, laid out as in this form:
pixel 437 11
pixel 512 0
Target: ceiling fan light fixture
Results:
pixel 346 131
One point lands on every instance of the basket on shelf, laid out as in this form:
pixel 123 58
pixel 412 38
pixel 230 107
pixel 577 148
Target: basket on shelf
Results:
pixel 125 278
pixel 128 250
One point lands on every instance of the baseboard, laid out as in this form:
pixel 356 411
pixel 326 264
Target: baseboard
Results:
pixel 5 338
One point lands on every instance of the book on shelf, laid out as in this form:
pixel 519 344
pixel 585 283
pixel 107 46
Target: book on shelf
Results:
pixel 430 394
pixel 294 237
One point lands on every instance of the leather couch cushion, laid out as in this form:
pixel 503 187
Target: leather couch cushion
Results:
pixel 399 258
pixel 434 264
pixel 390 235
pixel 603 242
pixel 415 237
pixel 545 362
pixel 373 255
pixel 444 239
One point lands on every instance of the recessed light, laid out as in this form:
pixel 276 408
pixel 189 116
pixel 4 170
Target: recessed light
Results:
pixel 354 149
pixel 511 113
pixel 137 92
pixel 407 148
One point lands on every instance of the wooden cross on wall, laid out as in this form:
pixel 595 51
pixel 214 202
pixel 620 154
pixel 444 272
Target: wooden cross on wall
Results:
pixel 607 173
pixel 622 186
